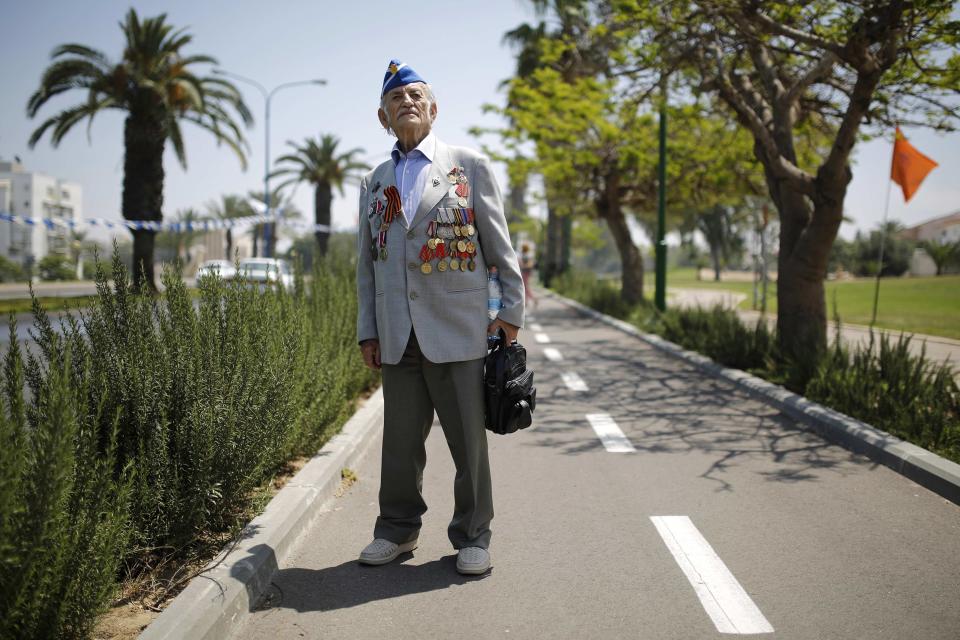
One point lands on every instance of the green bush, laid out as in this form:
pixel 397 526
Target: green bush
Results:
pixel 56 267
pixel 602 295
pixel 63 498
pixel 720 334
pixel 883 384
pixel 10 271
pixel 151 423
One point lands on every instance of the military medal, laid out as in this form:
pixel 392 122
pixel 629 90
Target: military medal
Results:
pixel 392 209
pixel 425 268
pixel 454 264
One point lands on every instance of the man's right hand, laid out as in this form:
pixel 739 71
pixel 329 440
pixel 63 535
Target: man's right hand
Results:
pixel 371 353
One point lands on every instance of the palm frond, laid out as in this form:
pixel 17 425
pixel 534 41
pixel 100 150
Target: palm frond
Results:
pixel 234 145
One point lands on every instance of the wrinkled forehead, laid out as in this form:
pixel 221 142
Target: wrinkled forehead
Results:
pixel 414 88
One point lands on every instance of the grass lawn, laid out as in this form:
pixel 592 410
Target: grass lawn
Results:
pixel 929 305
pixel 54 304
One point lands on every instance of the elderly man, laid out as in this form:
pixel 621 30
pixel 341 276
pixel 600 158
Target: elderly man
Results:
pixel 431 224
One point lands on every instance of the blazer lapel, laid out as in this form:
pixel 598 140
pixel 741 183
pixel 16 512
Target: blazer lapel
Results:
pixel 385 176
pixel 436 185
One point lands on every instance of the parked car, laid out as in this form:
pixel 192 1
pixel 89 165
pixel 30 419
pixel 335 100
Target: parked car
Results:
pixel 223 268
pixel 266 271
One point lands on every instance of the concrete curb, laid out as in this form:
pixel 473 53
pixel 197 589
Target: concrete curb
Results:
pixel 923 467
pixel 214 602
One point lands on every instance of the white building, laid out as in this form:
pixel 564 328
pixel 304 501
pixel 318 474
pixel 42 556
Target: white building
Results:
pixel 35 195
pixel 942 230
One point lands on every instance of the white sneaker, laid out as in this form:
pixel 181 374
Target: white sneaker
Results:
pixel 382 551
pixel 473 561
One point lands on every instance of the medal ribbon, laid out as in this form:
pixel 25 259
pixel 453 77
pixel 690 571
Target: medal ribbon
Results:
pixel 393 203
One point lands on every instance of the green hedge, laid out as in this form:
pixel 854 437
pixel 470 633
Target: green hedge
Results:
pixel 147 424
pixel 881 383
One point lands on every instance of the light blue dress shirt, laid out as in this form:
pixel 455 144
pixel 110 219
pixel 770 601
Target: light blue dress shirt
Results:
pixel 411 172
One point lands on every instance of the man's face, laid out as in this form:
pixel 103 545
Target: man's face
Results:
pixel 408 109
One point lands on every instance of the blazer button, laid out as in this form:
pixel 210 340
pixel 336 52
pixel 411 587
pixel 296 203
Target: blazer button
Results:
pixel 410 234
pixel 412 266
pixel 413 295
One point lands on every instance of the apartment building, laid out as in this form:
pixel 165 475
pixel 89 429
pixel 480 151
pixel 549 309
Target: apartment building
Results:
pixel 35 195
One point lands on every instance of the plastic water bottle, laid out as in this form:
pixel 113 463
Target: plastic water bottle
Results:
pixel 494 294
pixel 494 300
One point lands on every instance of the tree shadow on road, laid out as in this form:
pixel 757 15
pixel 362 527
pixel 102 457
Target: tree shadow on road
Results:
pixel 668 407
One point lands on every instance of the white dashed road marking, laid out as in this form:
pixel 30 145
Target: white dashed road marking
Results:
pixel 552 354
pixel 609 433
pixel 573 381
pixel 724 600
pixel 542 338
pixel 536 327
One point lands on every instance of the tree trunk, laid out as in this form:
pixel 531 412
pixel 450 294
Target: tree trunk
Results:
pixel 144 138
pixel 806 237
pixel 256 239
pixel 229 238
pixel 610 209
pixel 551 262
pixel 322 198
pixel 715 258
pixel 516 202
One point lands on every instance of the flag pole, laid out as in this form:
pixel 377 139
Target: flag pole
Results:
pixel 883 238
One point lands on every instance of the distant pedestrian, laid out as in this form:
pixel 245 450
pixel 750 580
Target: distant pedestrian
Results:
pixel 431 224
pixel 527 266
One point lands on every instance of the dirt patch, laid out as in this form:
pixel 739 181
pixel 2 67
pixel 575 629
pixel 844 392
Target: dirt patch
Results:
pixel 123 622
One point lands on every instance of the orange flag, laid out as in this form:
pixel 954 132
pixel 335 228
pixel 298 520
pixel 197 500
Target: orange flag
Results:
pixel 909 166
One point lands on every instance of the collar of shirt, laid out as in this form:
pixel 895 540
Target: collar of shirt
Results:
pixel 426 148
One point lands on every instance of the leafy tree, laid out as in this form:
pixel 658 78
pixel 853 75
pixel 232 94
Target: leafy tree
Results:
pixel 943 253
pixel 785 69
pixel 720 227
pixel 282 208
pixel 10 271
pixel 896 251
pixel 54 266
pixel 156 85
pixel 179 240
pixel 317 162
pixel 229 207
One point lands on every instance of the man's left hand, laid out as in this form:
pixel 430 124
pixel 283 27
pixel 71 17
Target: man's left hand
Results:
pixel 510 330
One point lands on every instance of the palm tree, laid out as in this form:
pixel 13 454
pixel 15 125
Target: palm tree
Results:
pixel 318 163
pixel 178 241
pixel 229 208
pixel 156 85
pixel 282 208
pixel 942 253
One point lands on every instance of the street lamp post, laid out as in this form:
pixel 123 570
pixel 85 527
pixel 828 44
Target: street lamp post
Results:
pixel 267 97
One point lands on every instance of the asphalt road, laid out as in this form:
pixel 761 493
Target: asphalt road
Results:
pixel 801 535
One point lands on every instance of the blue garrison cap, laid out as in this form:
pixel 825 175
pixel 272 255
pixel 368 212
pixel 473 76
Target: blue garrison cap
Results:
pixel 397 75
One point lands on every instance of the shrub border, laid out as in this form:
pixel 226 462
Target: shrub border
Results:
pixel 924 467
pixel 214 603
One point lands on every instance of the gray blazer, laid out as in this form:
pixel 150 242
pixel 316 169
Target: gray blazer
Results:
pixel 447 310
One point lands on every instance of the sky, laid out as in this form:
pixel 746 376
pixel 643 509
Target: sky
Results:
pixel 455 46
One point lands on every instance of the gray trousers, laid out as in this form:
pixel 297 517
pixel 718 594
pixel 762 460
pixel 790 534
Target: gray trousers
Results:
pixel 412 390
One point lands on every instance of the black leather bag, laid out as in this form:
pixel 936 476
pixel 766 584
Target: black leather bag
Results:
pixel 510 396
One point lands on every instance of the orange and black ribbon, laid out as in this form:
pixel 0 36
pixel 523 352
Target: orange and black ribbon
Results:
pixel 393 203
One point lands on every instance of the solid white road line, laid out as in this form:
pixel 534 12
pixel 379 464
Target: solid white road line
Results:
pixel 573 381
pixel 552 354
pixel 724 600
pixel 542 338
pixel 535 327
pixel 609 433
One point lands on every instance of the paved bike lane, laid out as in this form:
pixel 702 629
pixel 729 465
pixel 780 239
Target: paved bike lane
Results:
pixel 823 543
